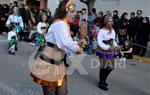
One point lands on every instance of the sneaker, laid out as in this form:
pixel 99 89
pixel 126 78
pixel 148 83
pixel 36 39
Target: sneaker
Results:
pixel 105 83
pixel 13 53
pixel 9 52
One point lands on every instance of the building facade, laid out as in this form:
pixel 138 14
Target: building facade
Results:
pixel 100 5
pixel 52 4
pixel 105 5
pixel 5 1
pixel 124 6
pixel 11 1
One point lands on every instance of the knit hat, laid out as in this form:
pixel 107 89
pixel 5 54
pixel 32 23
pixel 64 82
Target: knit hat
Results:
pixel 107 18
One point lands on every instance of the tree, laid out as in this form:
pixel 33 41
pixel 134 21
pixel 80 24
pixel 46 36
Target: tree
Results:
pixel 89 3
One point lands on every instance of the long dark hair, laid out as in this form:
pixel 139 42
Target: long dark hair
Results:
pixel 123 15
pixel 147 20
pixel 60 12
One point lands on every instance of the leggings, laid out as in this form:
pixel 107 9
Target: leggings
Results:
pixel 107 63
pixel 60 90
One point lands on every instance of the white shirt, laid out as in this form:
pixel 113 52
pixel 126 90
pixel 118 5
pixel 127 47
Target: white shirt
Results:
pixel 58 34
pixel 11 34
pixel 39 26
pixel 16 19
pixel 106 35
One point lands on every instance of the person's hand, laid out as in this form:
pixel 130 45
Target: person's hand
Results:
pixel 82 43
pixel 42 44
pixel 111 48
pixel 122 54
pixel 79 42
pixel 121 47
pixel 79 51
pixel 117 48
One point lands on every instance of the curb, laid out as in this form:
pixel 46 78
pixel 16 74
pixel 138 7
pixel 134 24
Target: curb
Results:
pixel 142 59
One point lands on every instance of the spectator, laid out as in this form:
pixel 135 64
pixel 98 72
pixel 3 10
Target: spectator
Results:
pixel 126 50
pixel 83 15
pixel 142 36
pixel 122 35
pixel 116 21
pixel 15 4
pixel 132 27
pixel 100 19
pixel 49 16
pixel 138 22
pixel 16 20
pixel 124 20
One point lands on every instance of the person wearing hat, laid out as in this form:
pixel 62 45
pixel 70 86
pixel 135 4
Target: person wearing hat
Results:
pixel 107 48
pixel 59 42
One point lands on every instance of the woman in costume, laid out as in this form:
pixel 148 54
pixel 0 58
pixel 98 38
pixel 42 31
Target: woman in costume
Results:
pixel 16 20
pixel 107 48
pixel 59 36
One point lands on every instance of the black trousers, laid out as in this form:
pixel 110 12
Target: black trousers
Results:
pixel 141 51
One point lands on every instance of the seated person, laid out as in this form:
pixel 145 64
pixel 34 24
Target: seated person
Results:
pixel 122 35
pixel 127 50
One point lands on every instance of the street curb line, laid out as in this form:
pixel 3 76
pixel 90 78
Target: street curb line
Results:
pixel 142 59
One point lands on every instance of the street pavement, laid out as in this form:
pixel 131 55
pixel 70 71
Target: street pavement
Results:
pixel 133 79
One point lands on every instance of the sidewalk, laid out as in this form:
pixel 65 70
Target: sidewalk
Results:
pixel 3 37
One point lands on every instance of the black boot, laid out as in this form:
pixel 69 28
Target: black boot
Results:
pixel 102 84
pixel 13 53
pixel 105 77
pixel 107 72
